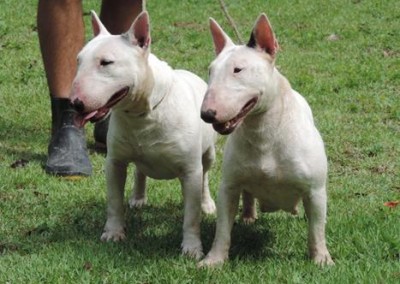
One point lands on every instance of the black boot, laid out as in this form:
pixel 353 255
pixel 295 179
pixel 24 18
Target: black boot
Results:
pixel 100 134
pixel 67 152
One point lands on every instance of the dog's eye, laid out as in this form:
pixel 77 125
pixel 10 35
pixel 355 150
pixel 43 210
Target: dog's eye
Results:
pixel 237 70
pixel 105 62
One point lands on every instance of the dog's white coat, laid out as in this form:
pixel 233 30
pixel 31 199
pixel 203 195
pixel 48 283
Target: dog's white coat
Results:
pixel 276 154
pixel 157 126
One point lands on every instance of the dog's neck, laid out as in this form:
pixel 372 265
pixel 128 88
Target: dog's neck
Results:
pixel 155 85
pixel 267 118
pixel 272 94
pixel 162 82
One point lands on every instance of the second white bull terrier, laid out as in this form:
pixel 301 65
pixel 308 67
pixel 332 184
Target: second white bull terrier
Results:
pixel 155 123
pixel 275 153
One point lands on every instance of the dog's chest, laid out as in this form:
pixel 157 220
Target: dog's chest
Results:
pixel 274 189
pixel 274 180
pixel 155 151
pixel 155 154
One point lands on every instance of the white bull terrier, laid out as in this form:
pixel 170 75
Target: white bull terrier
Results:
pixel 274 154
pixel 155 123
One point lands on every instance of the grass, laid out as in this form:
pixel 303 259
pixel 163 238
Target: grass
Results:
pixel 50 228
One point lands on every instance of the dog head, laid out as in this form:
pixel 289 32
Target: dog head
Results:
pixel 239 76
pixel 111 68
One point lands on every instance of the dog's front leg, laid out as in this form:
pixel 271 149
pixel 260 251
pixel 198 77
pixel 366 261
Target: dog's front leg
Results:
pixel 315 208
pixel 227 207
pixel 138 198
pixel 192 194
pixel 116 175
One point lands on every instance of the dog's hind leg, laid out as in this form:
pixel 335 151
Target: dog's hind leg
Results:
pixel 191 187
pixel 249 213
pixel 315 208
pixel 207 203
pixel 139 197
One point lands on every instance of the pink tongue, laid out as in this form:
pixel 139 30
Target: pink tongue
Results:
pixel 87 117
pixel 90 115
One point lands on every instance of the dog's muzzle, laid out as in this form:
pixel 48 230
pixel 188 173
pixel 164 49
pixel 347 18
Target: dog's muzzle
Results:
pixel 78 105
pixel 209 115
pixel 100 113
pixel 227 127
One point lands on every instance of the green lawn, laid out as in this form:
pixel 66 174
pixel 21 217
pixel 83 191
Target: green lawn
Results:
pixel 50 228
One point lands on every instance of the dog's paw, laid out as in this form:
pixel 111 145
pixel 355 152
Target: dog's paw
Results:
pixel 137 203
pixel 248 220
pixel 295 211
pixel 323 259
pixel 193 251
pixel 249 217
pixel 208 206
pixel 211 262
pixel 113 235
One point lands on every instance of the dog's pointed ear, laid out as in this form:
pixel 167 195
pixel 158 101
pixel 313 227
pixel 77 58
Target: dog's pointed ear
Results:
pixel 220 38
pixel 97 25
pixel 262 37
pixel 139 32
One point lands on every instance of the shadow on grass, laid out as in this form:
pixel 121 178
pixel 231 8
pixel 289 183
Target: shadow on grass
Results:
pixel 153 232
pixel 252 242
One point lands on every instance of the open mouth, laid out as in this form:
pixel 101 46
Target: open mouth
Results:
pixel 100 113
pixel 225 128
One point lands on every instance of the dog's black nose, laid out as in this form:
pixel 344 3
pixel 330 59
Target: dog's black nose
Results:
pixel 208 115
pixel 78 105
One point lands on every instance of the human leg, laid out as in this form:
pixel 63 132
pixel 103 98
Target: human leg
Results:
pixel 61 36
pixel 118 15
